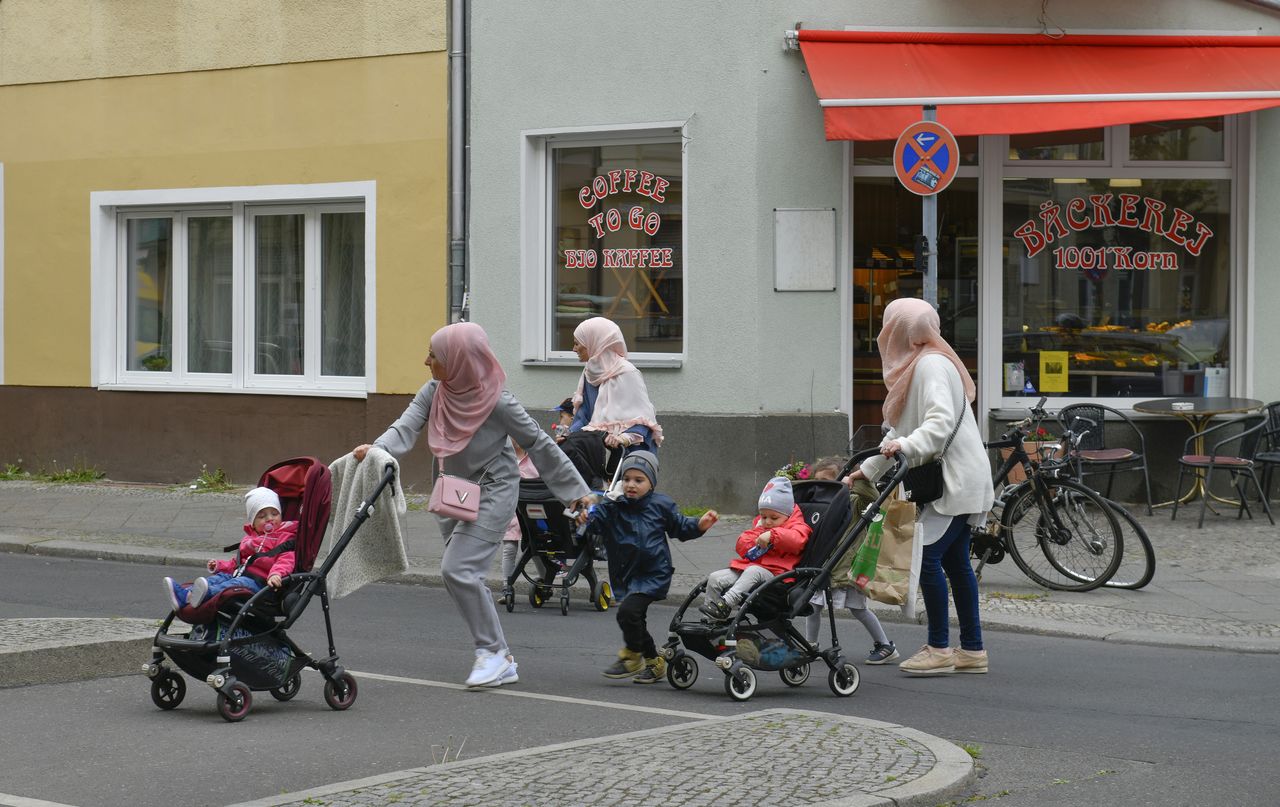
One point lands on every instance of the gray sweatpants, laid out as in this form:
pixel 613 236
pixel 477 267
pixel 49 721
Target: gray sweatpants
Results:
pixel 465 562
pixel 733 586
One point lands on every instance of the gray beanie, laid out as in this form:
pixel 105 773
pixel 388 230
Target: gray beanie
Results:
pixel 777 496
pixel 643 461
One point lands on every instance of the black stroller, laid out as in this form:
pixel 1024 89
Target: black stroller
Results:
pixel 549 536
pixel 238 644
pixel 759 634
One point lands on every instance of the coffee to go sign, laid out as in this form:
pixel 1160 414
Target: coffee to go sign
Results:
pixel 613 219
pixel 1128 210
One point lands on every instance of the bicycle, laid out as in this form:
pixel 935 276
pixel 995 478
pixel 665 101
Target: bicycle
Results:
pixel 1072 526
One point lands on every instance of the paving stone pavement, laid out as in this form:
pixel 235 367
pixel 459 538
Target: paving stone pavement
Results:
pixel 815 758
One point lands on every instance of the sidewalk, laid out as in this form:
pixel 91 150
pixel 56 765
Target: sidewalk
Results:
pixel 1218 587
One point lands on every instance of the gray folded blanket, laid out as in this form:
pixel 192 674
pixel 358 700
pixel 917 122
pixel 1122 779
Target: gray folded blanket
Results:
pixel 376 551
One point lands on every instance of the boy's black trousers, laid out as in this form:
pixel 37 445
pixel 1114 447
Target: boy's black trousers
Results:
pixel 635 632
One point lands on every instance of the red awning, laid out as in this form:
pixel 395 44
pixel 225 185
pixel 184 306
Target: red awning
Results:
pixel 871 84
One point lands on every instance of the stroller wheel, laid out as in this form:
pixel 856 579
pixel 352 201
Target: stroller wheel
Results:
pixel 564 603
pixel 167 690
pixel 794 676
pixel 289 689
pixel 340 699
pixel 601 593
pixel 682 671
pixel 235 708
pixel 844 680
pixel 740 684
pixel 537 597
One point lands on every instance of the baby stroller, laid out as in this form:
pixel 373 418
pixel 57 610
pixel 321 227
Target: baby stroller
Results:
pixel 759 634
pixel 549 535
pixel 238 642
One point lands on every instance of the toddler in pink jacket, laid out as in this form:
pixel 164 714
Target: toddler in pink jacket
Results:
pixel 266 555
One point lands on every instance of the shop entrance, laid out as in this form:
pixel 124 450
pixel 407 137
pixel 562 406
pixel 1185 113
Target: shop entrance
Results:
pixel 886 219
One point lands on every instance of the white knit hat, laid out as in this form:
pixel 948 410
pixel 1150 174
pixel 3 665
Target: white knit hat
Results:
pixel 257 499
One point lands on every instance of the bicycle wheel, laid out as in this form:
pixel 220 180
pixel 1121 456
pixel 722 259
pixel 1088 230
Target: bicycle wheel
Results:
pixel 1073 544
pixel 1138 561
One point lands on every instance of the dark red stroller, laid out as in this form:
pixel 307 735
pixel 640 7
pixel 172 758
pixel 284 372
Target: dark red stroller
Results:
pixel 238 642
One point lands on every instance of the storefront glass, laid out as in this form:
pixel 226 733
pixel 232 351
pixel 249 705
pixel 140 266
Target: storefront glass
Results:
pixel 886 219
pixel 617 231
pixel 1115 287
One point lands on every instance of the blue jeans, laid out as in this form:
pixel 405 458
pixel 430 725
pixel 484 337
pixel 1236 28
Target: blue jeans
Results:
pixel 943 560
pixel 219 583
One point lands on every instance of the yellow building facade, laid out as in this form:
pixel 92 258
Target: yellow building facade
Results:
pixel 224 228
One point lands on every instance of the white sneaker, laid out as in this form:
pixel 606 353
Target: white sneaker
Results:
pixel 199 588
pixel 172 592
pixel 488 668
pixel 510 676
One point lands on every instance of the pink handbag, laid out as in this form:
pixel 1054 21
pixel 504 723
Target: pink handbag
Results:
pixel 455 497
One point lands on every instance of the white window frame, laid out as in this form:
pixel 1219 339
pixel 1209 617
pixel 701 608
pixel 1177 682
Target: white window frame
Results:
pixel 537 292
pixel 109 349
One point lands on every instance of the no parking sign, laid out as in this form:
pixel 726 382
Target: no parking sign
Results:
pixel 926 157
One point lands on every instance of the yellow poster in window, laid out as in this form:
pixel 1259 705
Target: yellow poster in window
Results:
pixel 1053 371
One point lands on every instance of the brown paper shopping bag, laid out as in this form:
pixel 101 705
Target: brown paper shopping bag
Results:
pixel 892 581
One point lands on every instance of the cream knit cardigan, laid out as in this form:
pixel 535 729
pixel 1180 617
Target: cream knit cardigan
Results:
pixel 923 427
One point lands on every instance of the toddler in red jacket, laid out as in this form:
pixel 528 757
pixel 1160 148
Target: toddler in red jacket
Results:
pixel 264 557
pixel 771 546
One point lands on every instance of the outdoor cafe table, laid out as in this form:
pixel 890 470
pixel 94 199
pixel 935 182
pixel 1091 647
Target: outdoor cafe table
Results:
pixel 1202 411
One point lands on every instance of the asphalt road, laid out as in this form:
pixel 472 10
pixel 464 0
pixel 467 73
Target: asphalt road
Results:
pixel 1057 722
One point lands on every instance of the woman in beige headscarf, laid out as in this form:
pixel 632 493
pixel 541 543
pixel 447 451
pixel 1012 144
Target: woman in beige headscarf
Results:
pixel 611 406
pixel 929 391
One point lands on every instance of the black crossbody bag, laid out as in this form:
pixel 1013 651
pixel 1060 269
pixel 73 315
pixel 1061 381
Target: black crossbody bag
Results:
pixel 923 483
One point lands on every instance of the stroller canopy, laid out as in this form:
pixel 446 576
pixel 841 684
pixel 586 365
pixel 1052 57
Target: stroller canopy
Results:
pixel 305 490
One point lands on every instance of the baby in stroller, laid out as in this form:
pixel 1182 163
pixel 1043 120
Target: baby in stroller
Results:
pixel 266 555
pixel 760 634
pixel 238 641
pixel 772 545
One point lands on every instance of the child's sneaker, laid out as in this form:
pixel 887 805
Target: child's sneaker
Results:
pixel 655 669
pixel 970 661
pixel 628 664
pixel 171 588
pixel 882 653
pixel 509 676
pixel 199 588
pixel 715 608
pixel 930 661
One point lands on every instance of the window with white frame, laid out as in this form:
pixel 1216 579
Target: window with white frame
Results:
pixel 252 297
pixel 613 243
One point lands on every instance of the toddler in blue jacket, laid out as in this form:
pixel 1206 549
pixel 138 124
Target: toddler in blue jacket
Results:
pixel 635 529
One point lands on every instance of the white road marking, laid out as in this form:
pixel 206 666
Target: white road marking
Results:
pixel 9 800
pixel 514 693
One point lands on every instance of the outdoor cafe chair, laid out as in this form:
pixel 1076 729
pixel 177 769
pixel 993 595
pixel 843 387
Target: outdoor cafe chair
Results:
pixel 1093 455
pixel 1239 464
pixel 1269 457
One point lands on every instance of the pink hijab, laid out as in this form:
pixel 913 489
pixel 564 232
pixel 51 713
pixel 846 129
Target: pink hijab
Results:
pixel 606 349
pixel 469 391
pixel 911 329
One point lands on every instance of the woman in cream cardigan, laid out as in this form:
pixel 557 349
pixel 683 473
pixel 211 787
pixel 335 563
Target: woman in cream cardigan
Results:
pixel 928 391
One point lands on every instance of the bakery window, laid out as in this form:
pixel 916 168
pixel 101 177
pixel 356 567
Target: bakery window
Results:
pixel 1116 287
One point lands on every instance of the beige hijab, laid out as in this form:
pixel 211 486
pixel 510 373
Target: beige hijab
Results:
pixel 911 329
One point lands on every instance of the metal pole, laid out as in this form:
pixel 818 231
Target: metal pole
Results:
pixel 929 226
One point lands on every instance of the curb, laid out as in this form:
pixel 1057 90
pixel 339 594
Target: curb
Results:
pixel 950 775
pixel 106 648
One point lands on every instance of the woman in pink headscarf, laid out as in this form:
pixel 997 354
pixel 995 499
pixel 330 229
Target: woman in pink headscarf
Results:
pixel 611 406
pixel 471 421
pixel 929 392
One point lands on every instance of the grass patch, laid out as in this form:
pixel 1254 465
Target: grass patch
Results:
pixel 214 481
pixel 694 511
pixel 972 750
pixel 73 474
pixel 13 471
pixel 1005 595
